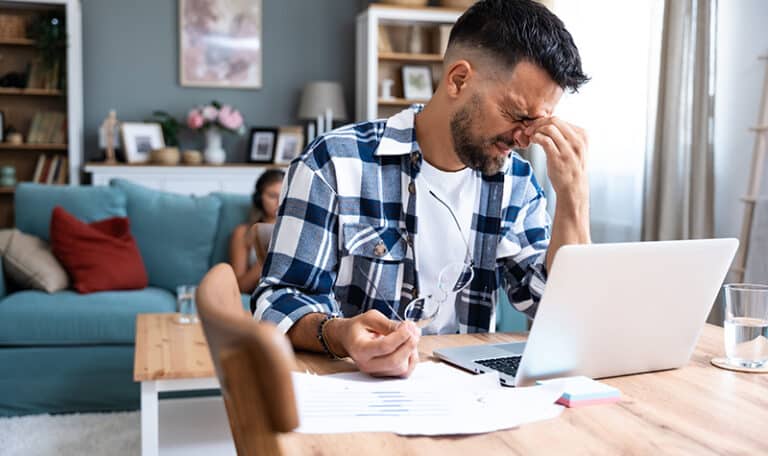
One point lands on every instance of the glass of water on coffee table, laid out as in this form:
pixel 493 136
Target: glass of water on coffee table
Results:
pixel 185 305
pixel 746 328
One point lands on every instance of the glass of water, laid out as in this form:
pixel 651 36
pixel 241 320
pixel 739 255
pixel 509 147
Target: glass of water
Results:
pixel 185 304
pixel 746 325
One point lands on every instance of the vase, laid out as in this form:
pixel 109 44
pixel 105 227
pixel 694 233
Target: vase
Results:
pixel 214 153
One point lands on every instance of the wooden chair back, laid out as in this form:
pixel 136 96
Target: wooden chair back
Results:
pixel 253 361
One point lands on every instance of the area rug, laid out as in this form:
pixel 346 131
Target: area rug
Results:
pixel 95 434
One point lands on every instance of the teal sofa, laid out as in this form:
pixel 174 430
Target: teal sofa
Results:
pixel 66 352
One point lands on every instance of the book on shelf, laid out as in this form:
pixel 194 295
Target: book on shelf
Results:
pixel 53 169
pixel 63 172
pixel 48 127
pixel 33 136
pixel 44 171
pixel 53 173
pixel 59 135
pixel 42 76
pixel 38 168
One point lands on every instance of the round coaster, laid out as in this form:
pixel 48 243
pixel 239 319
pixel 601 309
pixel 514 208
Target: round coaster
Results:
pixel 723 363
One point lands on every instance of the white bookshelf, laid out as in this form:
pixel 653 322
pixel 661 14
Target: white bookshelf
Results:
pixel 372 66
pixel 74 83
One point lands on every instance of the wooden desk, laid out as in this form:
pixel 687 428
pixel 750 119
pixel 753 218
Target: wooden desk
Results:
pixel 698 409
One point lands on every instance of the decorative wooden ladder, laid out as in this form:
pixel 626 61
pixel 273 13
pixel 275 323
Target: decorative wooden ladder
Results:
pixel 752 196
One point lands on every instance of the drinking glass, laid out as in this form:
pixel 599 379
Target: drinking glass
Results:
pixel 185 304
pixel 746 325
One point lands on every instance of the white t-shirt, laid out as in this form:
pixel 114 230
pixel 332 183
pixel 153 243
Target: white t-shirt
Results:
pixel 439 241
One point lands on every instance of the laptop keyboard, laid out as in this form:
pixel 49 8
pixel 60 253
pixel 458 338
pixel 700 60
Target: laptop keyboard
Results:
pixel 506 365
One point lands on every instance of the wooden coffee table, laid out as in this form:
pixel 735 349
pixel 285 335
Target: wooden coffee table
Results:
pixel 168 357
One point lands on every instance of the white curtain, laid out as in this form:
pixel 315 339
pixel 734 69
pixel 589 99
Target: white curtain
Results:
pixel 619 43
pixel 679 201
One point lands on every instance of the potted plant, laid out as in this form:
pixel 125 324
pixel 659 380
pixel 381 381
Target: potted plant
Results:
pixel 49 32
pixel 169 125
pixel 213 119
pixel 168 155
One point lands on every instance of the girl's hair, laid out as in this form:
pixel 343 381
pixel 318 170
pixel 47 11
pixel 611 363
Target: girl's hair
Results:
pixel 267 178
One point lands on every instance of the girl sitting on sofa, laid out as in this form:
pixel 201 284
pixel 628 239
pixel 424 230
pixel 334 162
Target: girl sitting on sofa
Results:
pixel 245 251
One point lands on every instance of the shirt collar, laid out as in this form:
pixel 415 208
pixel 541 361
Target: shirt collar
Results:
pixel 399 136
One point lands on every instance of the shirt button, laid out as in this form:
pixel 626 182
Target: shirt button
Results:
pixel 415 293
pixel 410 240
pixel 380 249
pixel 412 188
pixel 414 157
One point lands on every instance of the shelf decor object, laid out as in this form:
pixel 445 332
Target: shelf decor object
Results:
pixel 417 82
pixel 213 119
pixel 109 134
pixel 261 145
pixel 140 139
pixel 290 143
pixel 323 102
pixel 390 38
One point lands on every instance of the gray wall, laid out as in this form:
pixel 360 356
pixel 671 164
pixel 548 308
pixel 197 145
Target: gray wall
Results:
pixel 130 58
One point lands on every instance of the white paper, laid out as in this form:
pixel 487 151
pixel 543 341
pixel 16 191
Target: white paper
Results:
pixel 436 400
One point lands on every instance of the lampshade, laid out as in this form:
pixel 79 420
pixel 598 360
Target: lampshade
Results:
pixel 319 96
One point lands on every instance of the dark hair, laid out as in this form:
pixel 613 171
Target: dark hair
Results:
pixel 266 179
pixel 515 30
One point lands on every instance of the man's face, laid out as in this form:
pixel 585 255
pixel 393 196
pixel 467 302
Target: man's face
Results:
pixel 493 119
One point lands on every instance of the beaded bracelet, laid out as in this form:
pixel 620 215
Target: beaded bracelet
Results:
pixel 321 336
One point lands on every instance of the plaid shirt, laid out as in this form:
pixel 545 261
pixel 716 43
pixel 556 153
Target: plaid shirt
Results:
pixel 349 205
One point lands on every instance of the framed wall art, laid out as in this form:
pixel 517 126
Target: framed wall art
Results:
pixel 220 43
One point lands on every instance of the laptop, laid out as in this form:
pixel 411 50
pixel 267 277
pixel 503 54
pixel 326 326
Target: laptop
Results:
pixel 612 309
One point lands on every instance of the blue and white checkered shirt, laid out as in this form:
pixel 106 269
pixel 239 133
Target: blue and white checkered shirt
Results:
pixel 349 205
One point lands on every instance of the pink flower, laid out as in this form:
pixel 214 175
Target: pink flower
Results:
pixel 229 118
pixel 195 119
pixel 210 113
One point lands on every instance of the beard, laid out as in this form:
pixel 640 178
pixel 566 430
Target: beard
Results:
pixel 470 150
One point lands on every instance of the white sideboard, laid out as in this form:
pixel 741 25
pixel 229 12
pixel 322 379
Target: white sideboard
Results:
pixel 187 180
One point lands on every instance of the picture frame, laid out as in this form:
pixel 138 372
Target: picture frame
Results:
pixel 261 144
pixel 139 139
pixel 220 43
pixel 417 82
pixel 290 144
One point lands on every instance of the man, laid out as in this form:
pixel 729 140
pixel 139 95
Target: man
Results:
pixel 376 215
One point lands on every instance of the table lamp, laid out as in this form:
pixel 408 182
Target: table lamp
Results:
pixel 323 102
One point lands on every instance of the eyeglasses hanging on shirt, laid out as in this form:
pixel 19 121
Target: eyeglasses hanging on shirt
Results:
pixel 453 278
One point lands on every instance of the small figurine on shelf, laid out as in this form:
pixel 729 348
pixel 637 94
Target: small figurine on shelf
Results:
pixel 108 136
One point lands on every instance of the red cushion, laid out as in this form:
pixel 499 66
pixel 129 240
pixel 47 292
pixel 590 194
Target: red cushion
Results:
pixel 98 256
